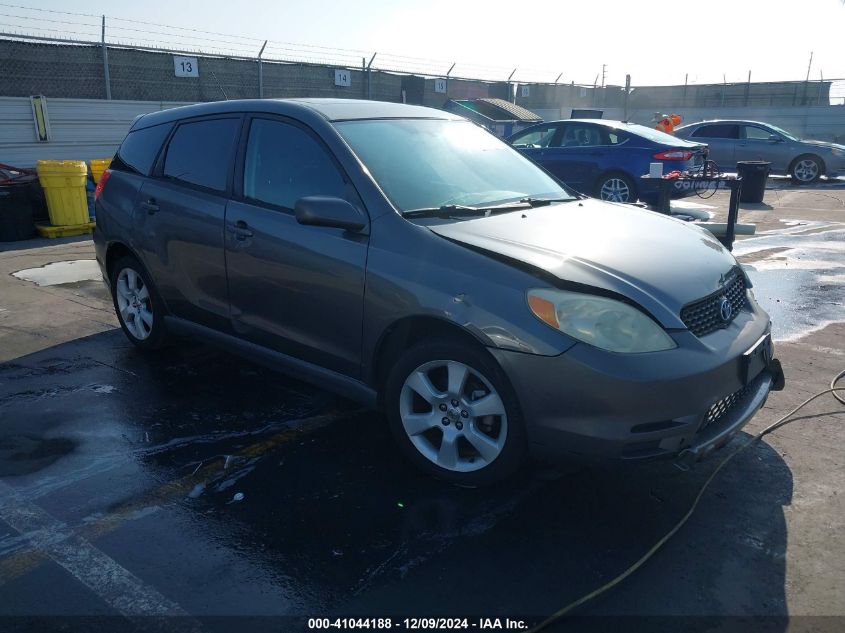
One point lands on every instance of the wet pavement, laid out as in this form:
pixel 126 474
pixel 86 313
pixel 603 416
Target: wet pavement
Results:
pixel 192 483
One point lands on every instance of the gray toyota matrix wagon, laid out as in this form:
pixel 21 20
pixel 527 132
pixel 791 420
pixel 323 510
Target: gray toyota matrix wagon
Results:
pixel 407 258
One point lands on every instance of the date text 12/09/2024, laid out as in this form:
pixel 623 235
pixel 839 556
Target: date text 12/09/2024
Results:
pixel 413 624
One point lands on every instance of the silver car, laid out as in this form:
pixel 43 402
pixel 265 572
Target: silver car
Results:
pixel 731 141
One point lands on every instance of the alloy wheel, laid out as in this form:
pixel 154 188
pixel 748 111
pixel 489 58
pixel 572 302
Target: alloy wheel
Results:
pixel 806 170
pixel 615 190
pixel 134 304
pixel 453 415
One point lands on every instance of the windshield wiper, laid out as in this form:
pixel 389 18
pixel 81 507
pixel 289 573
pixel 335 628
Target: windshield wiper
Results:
pixel 461 210
pixel 445 211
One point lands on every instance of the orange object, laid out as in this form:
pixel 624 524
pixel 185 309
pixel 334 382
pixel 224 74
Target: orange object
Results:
pixel 544 309
pixel 676 119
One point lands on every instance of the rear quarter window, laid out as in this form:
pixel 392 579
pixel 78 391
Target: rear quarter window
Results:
pixel 140 148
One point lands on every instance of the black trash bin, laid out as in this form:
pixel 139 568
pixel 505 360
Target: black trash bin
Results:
pixel 16 222
pixel 754 174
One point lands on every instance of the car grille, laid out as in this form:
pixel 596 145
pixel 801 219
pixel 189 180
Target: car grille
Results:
pixel 704 316
pixel 723 407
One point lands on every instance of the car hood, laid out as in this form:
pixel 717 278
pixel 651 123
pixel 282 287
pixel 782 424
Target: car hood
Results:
pixel 826 144
pixel 656 261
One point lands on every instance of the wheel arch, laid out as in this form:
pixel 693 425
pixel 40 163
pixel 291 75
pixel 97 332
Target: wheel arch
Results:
pixel 404 333
pixel 116 250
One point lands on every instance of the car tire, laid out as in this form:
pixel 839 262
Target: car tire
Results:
pixel 806 169
pixel 616 187
pixel 447 390
pixel 137 305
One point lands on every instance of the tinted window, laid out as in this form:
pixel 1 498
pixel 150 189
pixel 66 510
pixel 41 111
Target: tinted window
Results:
pixel 723 130
pixel 139 149
pixel 539 137
pixel 284 163
pixel 200 153
pixel 757 133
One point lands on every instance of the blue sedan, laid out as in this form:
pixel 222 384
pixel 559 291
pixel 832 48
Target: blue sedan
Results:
pixel 606 159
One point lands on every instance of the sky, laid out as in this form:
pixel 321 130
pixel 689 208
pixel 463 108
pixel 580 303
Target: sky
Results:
pixel 655 42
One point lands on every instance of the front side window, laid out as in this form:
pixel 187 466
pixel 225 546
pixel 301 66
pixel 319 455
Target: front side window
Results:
pixel 200 153
pixel 139 149
pixel 757 133
pixel 284 163
pixel 538 137
pixel 425 163
pixel 722 130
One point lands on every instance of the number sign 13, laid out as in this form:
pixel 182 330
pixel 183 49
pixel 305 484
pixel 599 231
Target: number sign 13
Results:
pixel 186 66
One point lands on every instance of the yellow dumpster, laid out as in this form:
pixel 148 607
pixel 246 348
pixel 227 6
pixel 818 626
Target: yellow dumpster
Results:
pixel 98 166
pixel 64 188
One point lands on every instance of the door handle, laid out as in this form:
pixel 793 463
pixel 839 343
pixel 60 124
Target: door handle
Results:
pixel 240 230
pixel 150 205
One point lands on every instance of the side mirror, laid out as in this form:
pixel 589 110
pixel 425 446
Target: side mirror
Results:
pixel 330 212
pixel 774 138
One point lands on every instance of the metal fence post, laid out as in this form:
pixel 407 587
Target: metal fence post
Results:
pixel 511 92
pixel 261 71
pixel 369 73
pixel 627 92
pixel 105 59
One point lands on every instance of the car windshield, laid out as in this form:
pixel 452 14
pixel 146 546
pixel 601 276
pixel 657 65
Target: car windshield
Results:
pixel 431 163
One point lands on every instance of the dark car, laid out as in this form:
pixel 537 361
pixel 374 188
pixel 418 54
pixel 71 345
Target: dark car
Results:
pixel 734 141
pixel 407 258
pixel 606 159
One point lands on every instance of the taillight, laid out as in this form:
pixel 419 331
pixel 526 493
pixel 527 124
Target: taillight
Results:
pixel 101 184
pixel 674 154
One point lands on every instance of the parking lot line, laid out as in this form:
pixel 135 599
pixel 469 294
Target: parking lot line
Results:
pixel 25 561
pixel 114 584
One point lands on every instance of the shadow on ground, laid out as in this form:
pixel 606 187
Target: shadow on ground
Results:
pixel 146 458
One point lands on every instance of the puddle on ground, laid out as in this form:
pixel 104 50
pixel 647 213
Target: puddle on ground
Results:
pixel 26 454
pixel 57 273
pixel 802 287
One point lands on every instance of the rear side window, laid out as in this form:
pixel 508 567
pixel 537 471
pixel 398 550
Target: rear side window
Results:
pixel 200 153
pixel 723 130
pixel 284 163
pixel 139 149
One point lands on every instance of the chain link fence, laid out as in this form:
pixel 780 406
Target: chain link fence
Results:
pixel 57 67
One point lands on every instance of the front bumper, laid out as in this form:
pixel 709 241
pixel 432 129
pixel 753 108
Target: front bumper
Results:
pixel 683 402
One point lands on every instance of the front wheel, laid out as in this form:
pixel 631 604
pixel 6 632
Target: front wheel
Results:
pixel 616 188
pixel 806 169
pixel 454 414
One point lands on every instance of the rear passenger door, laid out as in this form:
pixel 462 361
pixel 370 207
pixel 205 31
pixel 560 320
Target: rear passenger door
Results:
pixel 721 139
pixel 295 288
pixel 179 219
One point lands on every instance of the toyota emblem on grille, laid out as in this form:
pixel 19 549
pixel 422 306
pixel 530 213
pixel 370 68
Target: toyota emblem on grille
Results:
pixel 725 309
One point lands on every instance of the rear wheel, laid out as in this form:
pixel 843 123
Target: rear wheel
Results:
pixel 806 169
pixel 616 187
pixel 454 413
pixel 136 304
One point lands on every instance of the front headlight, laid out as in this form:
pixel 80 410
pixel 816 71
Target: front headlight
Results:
pixel 604 323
